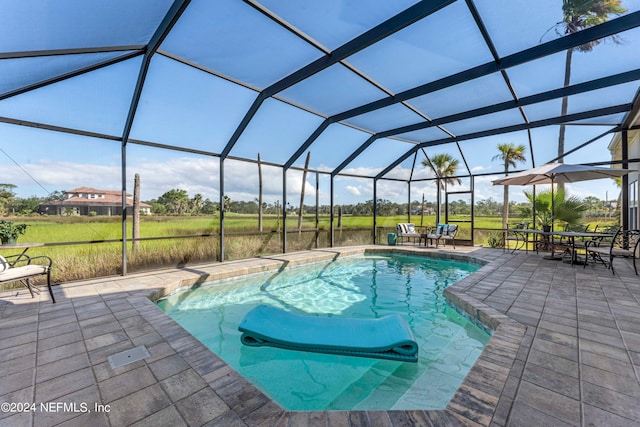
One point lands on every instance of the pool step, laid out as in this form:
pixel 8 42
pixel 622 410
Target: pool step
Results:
pixel 361 388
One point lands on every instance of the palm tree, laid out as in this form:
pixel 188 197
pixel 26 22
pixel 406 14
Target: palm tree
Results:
pixel 510 154
pixel 444 166
pixel 578 15
pixel 226 204
pixel 618 182
pixel 569 209
pixel 196 204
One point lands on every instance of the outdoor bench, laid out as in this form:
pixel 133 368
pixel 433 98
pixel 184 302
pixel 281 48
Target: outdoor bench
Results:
pixel 21 268
pixel 407 231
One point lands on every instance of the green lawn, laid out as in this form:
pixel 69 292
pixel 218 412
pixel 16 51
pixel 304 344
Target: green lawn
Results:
pixel 83 229
pixel 83 252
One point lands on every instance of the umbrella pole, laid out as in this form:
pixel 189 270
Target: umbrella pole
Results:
pixel 534 206
pixel 553 208
pixel 553 217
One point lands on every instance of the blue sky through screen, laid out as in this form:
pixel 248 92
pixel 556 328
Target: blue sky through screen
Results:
pixel 183 105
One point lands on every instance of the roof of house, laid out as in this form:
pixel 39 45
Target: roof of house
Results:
pixel 91 190
pixel 111 198
pixel 106 201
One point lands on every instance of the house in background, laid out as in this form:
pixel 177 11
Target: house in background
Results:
pixel 90 201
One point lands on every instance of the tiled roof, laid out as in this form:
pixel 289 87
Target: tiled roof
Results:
pixel 91 190
pixel 111 198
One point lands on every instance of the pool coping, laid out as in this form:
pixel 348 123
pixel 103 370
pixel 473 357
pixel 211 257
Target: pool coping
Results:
pixel 475 401
pixel 183 382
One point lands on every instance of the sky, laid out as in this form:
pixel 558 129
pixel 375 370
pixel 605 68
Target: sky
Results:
pixel 186 107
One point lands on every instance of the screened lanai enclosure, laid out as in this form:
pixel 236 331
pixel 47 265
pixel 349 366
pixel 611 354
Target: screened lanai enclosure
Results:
pixel 281 104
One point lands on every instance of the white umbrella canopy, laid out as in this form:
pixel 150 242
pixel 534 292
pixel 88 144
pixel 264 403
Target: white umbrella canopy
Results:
pixel 555 173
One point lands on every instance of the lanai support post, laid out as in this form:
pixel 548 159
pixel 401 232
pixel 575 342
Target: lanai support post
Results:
pixel 317 207
pixel 375 209
pixel 284 211
pixel 331 236
pixel 408 201
pixel 221 209
pixel 624 209
pixel 123 175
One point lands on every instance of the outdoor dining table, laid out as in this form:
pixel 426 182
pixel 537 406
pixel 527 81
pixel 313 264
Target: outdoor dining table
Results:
pixel 525 232
pixel 571 235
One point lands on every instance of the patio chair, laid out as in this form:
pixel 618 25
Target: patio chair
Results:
pixel 449 232
pixel 21 268
pixel 434 234
pixel 581 243
pixel 607 235
pixel 605 238
pixel 567 244
pixel 407 231
pixel 623 245
pixel 443 232
pixel 511 235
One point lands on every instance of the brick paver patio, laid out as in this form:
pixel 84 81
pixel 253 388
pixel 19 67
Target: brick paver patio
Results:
pixel 566 351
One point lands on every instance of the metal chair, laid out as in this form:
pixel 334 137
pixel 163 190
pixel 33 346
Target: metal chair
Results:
pixel 511 235
pixel 449 232
pixel 624 244
pixel 567 244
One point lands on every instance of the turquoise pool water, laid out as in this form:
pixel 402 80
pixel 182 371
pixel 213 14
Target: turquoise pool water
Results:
pixel 363 287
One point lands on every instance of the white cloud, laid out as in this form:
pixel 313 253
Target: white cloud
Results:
pixel 399 172
pixel 198 174
pixel 429 190
pixel 423 173
pixel 362 171
pixel 45 176
pixel 478 169
pixel 354 191
pixel 193 174
pixel 393 190
pixel 603 189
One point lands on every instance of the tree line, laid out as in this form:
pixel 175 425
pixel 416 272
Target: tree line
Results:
pixel 178 202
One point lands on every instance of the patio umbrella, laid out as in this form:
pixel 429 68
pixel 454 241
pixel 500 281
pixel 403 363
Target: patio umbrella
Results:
pixel 555 173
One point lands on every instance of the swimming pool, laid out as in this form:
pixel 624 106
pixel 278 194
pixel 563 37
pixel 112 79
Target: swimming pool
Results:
pixel 362 286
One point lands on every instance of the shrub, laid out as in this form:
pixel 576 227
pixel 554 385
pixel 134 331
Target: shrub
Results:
pixel 495 240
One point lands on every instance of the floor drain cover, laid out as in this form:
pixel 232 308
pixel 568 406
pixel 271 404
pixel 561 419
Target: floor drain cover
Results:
pixel 128 356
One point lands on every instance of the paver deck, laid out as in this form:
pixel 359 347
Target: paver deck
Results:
pixel 565 351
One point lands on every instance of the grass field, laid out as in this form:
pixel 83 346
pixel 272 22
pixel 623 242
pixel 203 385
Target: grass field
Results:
pixel 75 229
pixel 85 247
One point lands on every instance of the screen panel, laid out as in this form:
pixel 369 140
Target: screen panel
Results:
pixel 426 50
pixel 98 101
pixel 186 107
pixel 43 25
pixel 243 44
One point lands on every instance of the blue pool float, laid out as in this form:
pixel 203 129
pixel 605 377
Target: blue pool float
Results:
pixel 388 337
